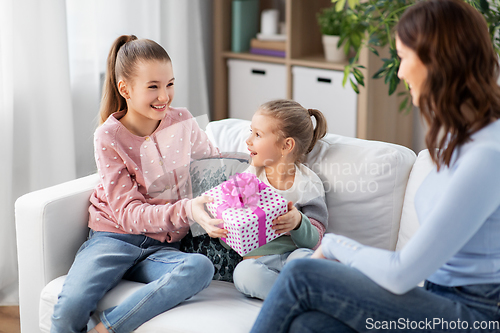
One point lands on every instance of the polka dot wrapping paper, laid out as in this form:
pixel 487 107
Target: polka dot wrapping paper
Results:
pixel 249 225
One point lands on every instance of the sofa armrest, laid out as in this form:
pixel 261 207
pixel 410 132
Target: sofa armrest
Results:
pixel 51 224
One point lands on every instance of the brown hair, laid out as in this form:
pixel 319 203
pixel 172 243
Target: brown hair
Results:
pixel 295 122
pixel 123 57
pixel 460 95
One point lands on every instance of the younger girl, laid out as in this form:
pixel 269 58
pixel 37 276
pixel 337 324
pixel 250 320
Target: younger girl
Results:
pixel 282 133
pixel 140 209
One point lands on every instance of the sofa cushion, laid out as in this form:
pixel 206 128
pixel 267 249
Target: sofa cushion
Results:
pixel 229 134
pixel 206 174
pixel 365 181
pixel 219 308
pixel 409 221
pixel 224 260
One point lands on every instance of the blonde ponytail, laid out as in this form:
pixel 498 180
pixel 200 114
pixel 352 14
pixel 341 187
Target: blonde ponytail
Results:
pixel 319 130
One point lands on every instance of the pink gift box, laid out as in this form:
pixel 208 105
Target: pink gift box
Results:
pixel 248 208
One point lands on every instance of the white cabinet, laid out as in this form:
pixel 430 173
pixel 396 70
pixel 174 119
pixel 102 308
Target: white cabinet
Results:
pixel 376 113
pixel 322 89
pixel 252 83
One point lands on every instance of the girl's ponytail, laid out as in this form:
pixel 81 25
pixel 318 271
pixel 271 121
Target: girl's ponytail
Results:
pixel 319 130
pixel 123 57
pixel 112 101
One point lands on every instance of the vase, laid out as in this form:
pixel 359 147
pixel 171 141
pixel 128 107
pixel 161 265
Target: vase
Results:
pixel 332 52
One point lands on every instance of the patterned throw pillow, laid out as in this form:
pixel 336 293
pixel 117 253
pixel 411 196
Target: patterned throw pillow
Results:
pixel 224 260
pixel 206 174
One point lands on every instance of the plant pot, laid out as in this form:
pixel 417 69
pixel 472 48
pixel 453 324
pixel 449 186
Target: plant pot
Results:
pixel 332 52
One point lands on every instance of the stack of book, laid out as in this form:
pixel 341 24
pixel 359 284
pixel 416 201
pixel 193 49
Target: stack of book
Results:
pixel 268 47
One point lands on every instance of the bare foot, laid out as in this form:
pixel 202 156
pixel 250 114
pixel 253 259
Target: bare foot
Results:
pixel 99 328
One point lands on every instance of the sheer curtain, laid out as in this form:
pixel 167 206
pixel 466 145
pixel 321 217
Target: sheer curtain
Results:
pixel 183 28
pixel 52 59
pixel 36 115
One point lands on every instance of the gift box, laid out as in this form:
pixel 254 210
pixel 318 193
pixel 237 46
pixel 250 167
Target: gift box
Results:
pixel 248 208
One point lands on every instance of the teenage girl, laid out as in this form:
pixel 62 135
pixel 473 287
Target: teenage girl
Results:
pixel 282 133
pixel 140 209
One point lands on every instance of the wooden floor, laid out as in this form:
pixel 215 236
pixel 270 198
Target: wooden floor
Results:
pixel 9 319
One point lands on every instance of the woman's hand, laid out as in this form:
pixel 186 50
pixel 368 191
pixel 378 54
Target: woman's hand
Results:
pixel 318 254
pixel 201 216
pixel 288 221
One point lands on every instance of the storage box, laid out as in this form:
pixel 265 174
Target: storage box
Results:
pixel 253 83
pixel 322 89
pixel 248 208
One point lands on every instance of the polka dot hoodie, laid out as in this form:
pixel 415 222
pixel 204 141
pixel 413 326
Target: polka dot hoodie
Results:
pixel 145 185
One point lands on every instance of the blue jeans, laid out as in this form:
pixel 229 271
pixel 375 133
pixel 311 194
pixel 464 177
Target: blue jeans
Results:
pixel 255 277
pixel 170 277
pixel 317 295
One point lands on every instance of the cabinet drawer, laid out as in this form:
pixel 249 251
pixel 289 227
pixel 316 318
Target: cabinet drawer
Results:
pixel 253 83
pixel 322 89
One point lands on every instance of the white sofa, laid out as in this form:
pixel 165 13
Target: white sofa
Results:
pixel 369 191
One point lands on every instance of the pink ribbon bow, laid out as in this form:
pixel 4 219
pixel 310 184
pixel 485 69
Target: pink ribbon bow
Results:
pixel 242 191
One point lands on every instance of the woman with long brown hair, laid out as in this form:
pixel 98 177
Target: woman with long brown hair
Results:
pixel 448 61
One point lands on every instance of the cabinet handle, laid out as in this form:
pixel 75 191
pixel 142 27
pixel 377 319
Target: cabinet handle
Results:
pixel 258 71
pixel 323 79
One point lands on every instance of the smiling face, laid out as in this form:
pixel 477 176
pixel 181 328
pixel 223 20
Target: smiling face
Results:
pixel 411 69
pixel 263 144
pixel 148 95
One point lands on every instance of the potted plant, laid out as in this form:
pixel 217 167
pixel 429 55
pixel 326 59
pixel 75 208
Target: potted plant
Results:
pixel 374 27
pixel 330 22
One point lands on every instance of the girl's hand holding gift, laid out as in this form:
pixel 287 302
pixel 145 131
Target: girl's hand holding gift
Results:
pixel 201 216
pixel 289 221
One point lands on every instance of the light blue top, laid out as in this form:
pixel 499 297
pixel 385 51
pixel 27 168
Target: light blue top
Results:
pixel 458 242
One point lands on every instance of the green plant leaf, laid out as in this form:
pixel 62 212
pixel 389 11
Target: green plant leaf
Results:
pixel 403 104
pixel 390 74
pixel 393 84
pixel 358 75
pixel 347 70
pixel 354 86
pixel 374 51
pixel 380 73
pixel 407 86
pixel 485 6
pixel 339 6
pixel 356 39
pixel 353 3
pixel 347 47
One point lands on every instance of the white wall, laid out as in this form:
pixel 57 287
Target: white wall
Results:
pixel 419 130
